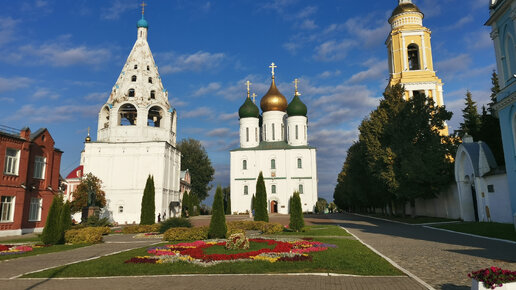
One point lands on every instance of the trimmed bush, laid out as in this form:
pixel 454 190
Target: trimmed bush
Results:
pixel 218 228
pixel 51 234
pixel 296 214
pixel 186 234
pixel 138 229
pixel 89 235
pixel 266 228
pixel 260 206
pixel 175 222
pixel 96 221
pixel 272 228
pixel 148 208
pixel 65 221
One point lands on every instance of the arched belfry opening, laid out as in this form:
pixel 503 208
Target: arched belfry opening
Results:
pixel 127 115
pixel 104 117
pixel 154 116
pixel 413 57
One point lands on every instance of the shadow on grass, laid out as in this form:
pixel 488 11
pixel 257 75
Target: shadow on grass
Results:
pixel 54 274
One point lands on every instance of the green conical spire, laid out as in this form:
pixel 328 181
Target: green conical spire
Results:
pixel 296 107
pixel 248 110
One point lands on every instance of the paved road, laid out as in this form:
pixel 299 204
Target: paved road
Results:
pixel 441 259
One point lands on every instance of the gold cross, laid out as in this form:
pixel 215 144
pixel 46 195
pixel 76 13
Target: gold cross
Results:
pixel 248 83
pixel 254 98
pixel 273 66
pixel 88 131
pixel 296 82
pixel 143 7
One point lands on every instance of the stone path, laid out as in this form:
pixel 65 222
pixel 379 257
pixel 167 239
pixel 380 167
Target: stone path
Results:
pixel 441 259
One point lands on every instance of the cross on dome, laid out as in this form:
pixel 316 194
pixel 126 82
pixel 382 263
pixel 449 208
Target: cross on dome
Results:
pixel 254 98
pixel 143 7
pixel 248 83
pixel 273 66
pixel 296 82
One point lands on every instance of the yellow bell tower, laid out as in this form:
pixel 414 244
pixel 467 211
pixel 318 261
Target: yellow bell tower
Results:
pixel 410 54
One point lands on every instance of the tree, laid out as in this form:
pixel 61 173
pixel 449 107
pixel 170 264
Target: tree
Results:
pixel 253 203
pixel 260 205
pixel 218 228
pixel 80 195
pixel 148 207
pixel 296 214
pixel 226 192
pixel 51 232
pixel 320 205
pixel 185 205
pixel 332 207
pixel 196 160
pixel 471 118
pixel 65 221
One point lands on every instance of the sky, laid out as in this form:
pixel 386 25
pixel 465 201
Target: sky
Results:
pixel 59 60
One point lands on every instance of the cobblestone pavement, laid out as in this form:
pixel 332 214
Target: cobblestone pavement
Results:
pixel 441 259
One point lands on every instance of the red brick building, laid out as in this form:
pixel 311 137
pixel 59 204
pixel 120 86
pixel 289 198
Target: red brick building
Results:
pixel 29 179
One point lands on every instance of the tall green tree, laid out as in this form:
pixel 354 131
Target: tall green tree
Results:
pixel 218 228
pixel 226 192
pixel 65 221
pixel 80 195
pixel 51 232
pixel 260 206
pixel 196 160
pixel 148 207
pixel 297 222
pixel 185 205
pixel 472 123
pixel 320 205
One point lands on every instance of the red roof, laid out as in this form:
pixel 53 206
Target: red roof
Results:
pixel 76 172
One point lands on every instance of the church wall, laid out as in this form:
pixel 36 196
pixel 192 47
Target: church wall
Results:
pixel 498 200
pixel 445 205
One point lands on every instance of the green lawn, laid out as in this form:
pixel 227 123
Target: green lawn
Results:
pixel 350 257
pixel 493 230
pixel 318 231
pixel 39 251
pixel 410 220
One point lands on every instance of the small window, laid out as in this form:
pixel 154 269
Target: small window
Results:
pixel 256 134
pixel 121 209
pixel 305 132
pixel 273 188
pixel 264 132
pixel 6 208
pixel 247 134
pixel 131 93
pixel 299 163
pixel 282 131
pixel 148 67
pixel 150 80
pixel 133 78
pixel 413 57
pixel 244 164
pixel 490 188
pixel 35 210
pixel 135 66
pixel 153 95
pixel 246 190
pixel 12 157
pixel 297 132
pixel 273 133
pixel 300 189
pixel 39 167
pixel 273 164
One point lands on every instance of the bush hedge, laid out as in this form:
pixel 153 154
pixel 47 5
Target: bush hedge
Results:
pixel 90 235
pixel 264 227
pixel 137 229
pixel 186 234
pixel 175 222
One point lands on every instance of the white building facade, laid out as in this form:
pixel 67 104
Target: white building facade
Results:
pixel 136 137
pixel 275 144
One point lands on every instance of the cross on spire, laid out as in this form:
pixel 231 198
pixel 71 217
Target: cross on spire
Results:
pixel 143 7
pixel 296 82
pixel 273 66
pixel 254 98
pixel 248 83
pixel 88 131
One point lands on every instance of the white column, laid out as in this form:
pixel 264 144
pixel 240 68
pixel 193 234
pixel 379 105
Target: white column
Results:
pixel 403 52
pixel 423 48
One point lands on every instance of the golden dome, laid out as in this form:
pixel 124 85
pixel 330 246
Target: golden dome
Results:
pixel 87 139
pixel 405 7
pixel 273 100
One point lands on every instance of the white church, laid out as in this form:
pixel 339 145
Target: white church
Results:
pixel 276 144
pixel 136 137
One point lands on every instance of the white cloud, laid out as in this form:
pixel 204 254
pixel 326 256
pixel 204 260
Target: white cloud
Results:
pixel 97 96
pixel 461 22
pixel 327 74
pixel 44 93
pixel 117 8
pixel 196 62
pixel 306 12
pixel 228 116
pixel 7 99
pixel 277 5
pixel 479 39
pixel 210 88
pixel 377 70
pixel 201 112
pixel 11 84
pixel 51 114
pixel 333 50
pixel 371 36
pixel 308 24
pixel 7 30
pixel 454 64
pixel 222 132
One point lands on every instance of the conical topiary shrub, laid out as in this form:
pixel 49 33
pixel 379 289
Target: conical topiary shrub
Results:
pixel 51 235
pixel 218 228
pixel 65 221
pixel 260 206
pixel 296 213
pixel 148 207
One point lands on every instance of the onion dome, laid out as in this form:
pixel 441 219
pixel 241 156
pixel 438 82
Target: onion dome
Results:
pixel 296 107
pixel 87 139
pixel 273 100
pixel 405 7
pixel 142 23
pixel 248 110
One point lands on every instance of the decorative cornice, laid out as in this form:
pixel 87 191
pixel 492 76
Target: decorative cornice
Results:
pixel 494 34
pixel 505 102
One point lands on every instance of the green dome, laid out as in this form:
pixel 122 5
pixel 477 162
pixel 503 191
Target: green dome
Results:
pixel 248 110
pixel 296 107
pixel 142 23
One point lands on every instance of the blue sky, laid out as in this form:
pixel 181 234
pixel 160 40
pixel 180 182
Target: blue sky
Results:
pixel 61 58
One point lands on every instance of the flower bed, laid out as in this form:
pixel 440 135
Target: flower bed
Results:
pixel 280 251
pixel 493 277
pixel 17 249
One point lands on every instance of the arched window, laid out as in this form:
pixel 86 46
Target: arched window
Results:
pixel 300 189
pixel 305 132
pixel 510 56
pixel 154 116
pixel 153 94
pixel 121 209
pixel 135 66
pixel 127 115
pixel 273 164
pixel 148 68
pixel 256 134
pixel 413 56
pixel 273 133
pixel 244 164
pixel 297 132
pixel 299 163
pixel 247 134
pixel 264 132
pixel 273 188
pixel 282 131
pixel 131 93
pixel 246 190
pixel 150 80
pixel 133 78
pixel 104 116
